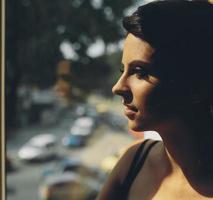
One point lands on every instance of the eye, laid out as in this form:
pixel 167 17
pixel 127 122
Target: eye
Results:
pixel 140 72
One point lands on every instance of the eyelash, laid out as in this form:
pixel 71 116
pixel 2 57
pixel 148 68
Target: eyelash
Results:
pixel 140 72
pixel 121 70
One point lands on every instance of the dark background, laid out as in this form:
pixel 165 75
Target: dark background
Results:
pixel 35 29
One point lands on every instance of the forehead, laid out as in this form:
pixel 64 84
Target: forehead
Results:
pixel 136 49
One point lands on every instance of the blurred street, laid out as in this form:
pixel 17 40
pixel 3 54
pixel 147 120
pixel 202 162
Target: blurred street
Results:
pixel 52 79
pixel 24 181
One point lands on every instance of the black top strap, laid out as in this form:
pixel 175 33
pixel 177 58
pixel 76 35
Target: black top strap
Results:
pixel 136 165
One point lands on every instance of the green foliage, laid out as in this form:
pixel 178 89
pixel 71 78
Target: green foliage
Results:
pixel 36 28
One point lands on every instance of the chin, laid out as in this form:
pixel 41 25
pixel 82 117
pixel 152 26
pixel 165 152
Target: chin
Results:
pixel 140 126
pixel 134 126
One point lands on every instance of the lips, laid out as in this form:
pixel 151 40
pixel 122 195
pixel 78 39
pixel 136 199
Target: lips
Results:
pixel 130 111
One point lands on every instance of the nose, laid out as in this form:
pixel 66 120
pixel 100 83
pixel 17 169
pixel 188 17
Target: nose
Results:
pixel 121 88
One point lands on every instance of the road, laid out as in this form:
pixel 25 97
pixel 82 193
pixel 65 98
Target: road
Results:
pixel 23 184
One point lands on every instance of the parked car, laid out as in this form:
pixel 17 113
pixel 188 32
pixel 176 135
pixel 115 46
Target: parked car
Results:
pixel 76 165
pixel 62 166
pixel 116 121
pixel 86 110
pixel 69 186
pixel 83 126
pixel 80 110
pixel 74 141
pixel 91 111
pixel 79 131
pixel 39 147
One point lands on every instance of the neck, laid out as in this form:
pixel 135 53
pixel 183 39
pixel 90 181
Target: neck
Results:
pixel 189 150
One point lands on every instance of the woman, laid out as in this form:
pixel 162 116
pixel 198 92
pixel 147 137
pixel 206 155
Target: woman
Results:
pixel 166 85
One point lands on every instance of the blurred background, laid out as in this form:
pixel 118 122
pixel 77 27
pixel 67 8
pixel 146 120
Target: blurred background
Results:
pixel 64 129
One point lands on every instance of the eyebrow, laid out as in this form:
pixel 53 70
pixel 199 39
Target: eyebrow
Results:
pixel 141 63
pixel 147 65
pixel 138 62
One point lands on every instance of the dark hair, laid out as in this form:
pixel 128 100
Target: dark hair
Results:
pixel 182 34
pixel 162 23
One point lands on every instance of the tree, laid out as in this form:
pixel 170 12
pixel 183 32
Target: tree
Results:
pixel 35 30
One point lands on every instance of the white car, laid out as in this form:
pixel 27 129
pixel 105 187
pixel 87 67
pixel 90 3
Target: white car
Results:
pixel 83 126
pixel 39 147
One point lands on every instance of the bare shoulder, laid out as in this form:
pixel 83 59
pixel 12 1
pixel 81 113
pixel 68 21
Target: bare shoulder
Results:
pixel 156 154
pixel 119 172
pixel 126 159
pixel 129 154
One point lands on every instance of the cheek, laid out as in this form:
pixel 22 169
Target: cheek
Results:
pixel 143 95
pixel 158 102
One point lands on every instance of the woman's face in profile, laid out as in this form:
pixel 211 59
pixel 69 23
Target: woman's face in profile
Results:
pixel 136 84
